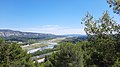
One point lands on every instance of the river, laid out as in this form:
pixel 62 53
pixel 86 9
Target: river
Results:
pixel 51 46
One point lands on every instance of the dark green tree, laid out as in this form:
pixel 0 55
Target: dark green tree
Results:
pixel 12 55
pixel 69 55
pixel 104 39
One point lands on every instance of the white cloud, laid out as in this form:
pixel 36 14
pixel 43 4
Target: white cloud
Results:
pixel 54 29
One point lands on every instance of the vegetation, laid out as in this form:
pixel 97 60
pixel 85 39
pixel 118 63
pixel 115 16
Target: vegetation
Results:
pixel 12 55
pixel 69 55
pixel 104 39
pixel 26 39
pixel 115 4
pixel 74 40
pixel 34 46
pixel 101 49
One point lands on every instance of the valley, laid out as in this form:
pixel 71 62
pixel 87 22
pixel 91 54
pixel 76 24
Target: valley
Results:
pixel 41 46
pixel 38 45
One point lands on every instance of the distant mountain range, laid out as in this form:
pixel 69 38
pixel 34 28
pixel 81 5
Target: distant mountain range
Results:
pixel 11 35
pixel 23 36
pixel 28 37
pixel 74 35
pixel 7 33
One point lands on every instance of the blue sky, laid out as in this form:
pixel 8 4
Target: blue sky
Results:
pixel 50 16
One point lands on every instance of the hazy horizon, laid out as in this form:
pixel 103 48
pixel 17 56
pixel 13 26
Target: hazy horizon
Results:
pixel 50 16
pixel 47 32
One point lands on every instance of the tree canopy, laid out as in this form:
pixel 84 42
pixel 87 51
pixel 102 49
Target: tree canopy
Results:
pixel 69 55
pixel 115 4
pixel 104 39
pixel 12 55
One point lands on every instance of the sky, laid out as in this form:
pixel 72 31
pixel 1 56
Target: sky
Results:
pixel 50 16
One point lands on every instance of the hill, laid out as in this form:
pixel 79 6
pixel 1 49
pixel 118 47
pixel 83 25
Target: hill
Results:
pixel 11 35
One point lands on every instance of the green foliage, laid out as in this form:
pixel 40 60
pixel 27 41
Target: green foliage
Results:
pixel 103 26
pixel 104 40
pixel 74 40
pixel 115 4
pixel 48 64
pixel 69 55
pixel 12 55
